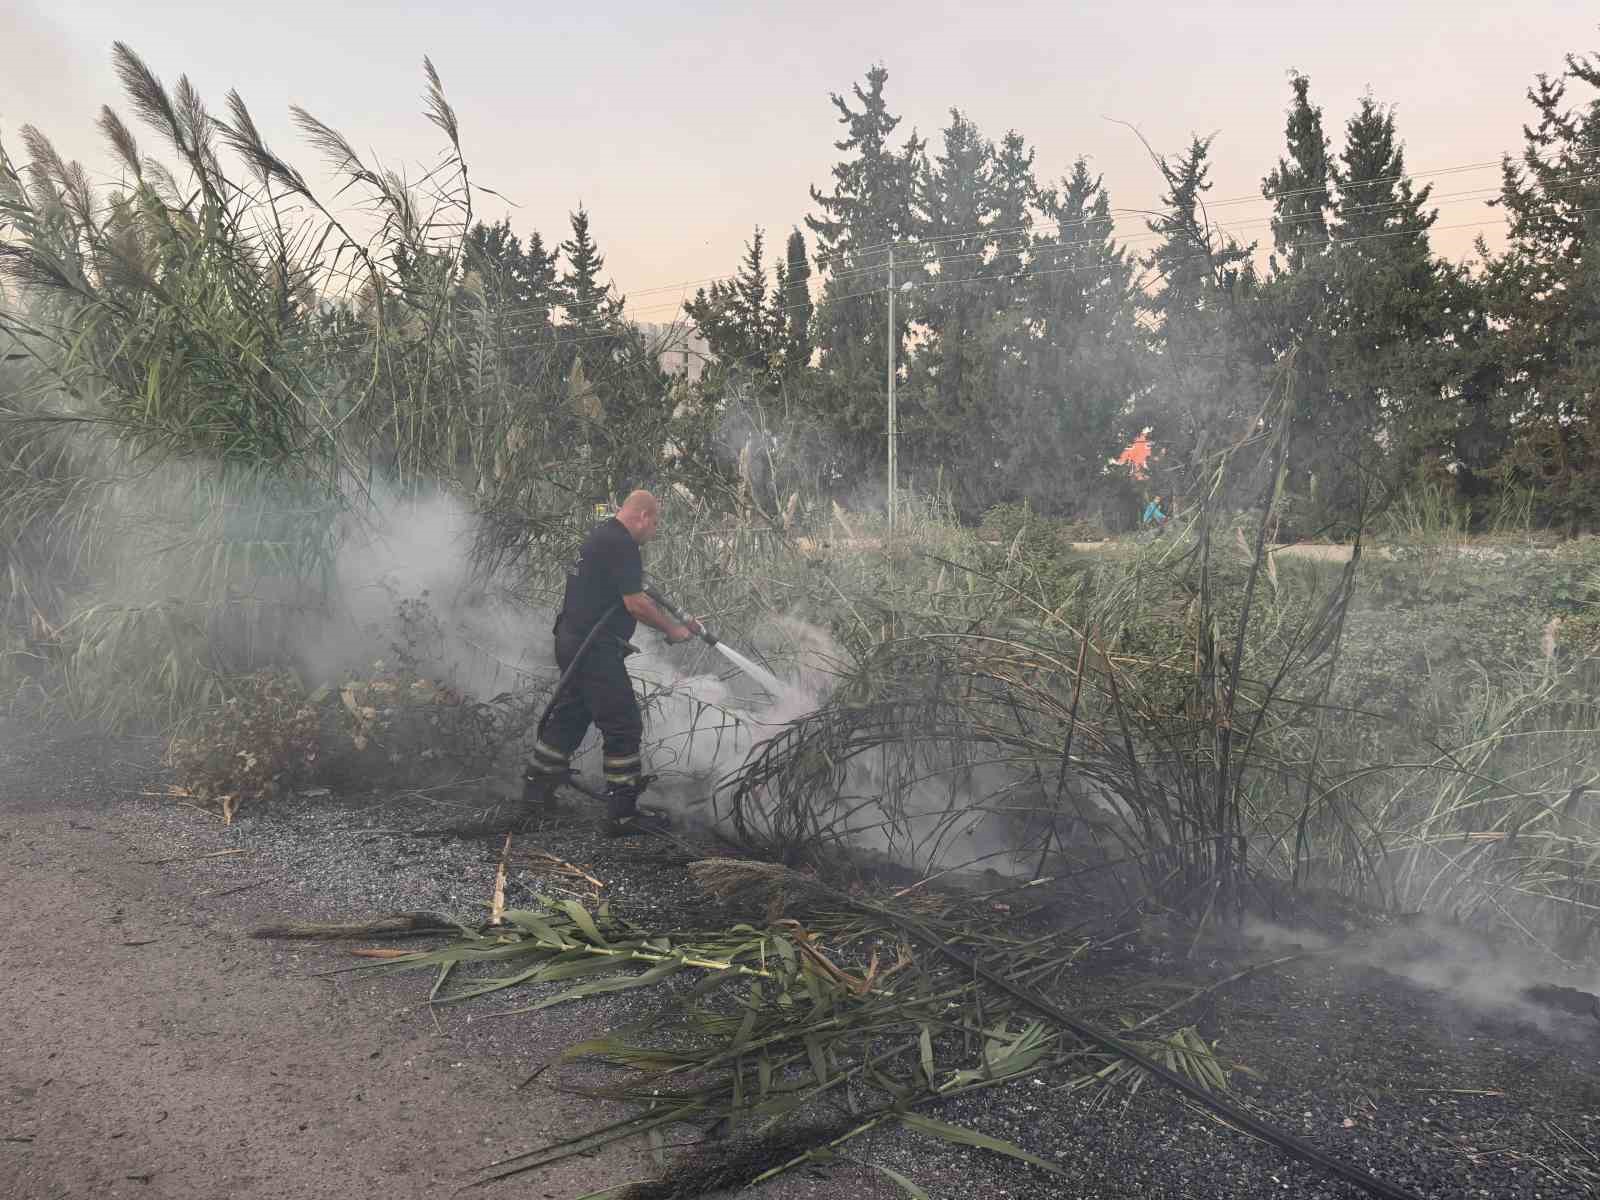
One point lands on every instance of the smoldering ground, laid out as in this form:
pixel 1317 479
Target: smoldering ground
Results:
pixel 1482 975
pixel 406 586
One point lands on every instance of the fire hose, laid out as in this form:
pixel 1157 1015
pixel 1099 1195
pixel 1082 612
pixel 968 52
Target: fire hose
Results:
pixel 572 667
pixel 583 647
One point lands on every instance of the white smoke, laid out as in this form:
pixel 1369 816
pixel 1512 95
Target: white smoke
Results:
pixel 1481 976
pixel 416 553
pixel 702 715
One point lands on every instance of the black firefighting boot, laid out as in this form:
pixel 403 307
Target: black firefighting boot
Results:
pixel 542 771
pixel 624 818
pixel 539 787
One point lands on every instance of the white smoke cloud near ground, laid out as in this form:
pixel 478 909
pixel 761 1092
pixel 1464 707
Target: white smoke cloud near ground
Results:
pixel 1483 977
pixel 419 551
pixel 702 716
pixel 704 719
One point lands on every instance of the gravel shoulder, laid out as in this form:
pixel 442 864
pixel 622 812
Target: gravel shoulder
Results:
pixel 151 1048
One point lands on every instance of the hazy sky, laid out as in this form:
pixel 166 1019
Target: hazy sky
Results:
pixel 681 127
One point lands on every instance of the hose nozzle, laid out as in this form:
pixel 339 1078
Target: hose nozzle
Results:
pixel 705 634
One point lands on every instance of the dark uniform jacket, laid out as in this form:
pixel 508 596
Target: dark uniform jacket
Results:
pixel 608 567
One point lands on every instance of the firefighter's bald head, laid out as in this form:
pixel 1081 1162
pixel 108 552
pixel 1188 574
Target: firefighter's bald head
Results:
pixel 641 514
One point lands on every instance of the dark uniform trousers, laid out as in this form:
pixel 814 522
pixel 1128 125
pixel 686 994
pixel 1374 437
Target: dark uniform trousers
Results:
pixel 599 693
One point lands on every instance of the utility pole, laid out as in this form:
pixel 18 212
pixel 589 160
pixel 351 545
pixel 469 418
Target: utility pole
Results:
pixel 890 354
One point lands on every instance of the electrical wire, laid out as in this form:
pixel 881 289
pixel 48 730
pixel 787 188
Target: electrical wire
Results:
pixel 356 336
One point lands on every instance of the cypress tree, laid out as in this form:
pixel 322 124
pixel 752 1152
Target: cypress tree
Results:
pixel 872 207
pixel 1296 300
pixel 1084 360
pixel 738 319
pixel 1388 333
pixel 794 298
pixel 952 375
pixel 1206 373
pixel 1298 185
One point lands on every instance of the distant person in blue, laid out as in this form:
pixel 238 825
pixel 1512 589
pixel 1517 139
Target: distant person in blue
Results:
pixel 1154 516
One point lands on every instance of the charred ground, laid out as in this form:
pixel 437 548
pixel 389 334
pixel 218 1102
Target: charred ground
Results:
pixel 157 1049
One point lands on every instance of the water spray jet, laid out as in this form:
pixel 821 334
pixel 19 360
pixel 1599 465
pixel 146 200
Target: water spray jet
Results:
pixel 774 686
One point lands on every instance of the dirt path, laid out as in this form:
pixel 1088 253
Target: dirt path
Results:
pixel 150 1049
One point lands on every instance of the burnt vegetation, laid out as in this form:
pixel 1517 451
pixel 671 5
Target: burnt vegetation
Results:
pixel 214 387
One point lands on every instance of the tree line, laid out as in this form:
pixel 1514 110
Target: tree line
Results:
pixel 1032 344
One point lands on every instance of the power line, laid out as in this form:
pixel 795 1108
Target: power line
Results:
pixel 1059 225
pixel 1263 197
pixel 1021 231
pixel 1051 248
pixel 1041 248
pixel 1032 272
pixel 1118 215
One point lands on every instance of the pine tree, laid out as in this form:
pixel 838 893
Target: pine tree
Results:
pixel 1297 299
pixel 794 294
pixel 1198 267
pixel 977 202
pixel 871 209
pixel 1205 379
pixel 1377 210
pixel 1298 185
pixel 1544 297
pixel 952 375
pixel 1355 293
pixel 1384 332
pixel 873 192
pixel 590 305
pixel 520 283
pixel 741 323
pixel 618 365
pixel 1015 193
pixel 1084 359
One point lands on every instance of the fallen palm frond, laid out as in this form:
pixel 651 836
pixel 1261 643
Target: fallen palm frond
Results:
pixel 805 1022
pixel 397 925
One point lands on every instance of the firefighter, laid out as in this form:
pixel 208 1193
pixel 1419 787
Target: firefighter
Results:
pixel 604 601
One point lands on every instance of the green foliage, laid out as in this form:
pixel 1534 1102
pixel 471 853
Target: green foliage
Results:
pixel 388 726
pixel 1355 288
pixel 1428 511
pixel 1081 363
pixel 1544 294
pixel 872 206
pixel 213 318
pixel 392 724
pixel 748 331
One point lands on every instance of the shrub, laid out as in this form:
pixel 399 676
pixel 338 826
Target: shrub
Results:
pixel 399 727
pixel 262 740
